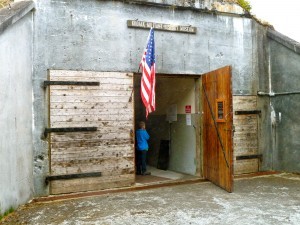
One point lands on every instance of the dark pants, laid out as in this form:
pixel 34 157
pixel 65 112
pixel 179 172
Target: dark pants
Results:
pixel 141 163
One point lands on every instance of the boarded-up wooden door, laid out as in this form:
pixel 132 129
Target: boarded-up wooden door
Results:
pixel 217 128
pixel 245 140
pixel 109 150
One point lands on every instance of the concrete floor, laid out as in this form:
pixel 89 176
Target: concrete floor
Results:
pixel 272 199
pixel 162 176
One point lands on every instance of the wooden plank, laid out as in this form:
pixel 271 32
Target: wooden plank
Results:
pixel 86 153
pixel 102 80
pixel 87 99
pixel 246 166
pixel 90 93
pixel 82 74
pixel 91 184
pixel 95 137
pixel 106 172
pixel 245 119
pixel 244 102
pixel 93 143
pixel 245 144
pixel 85 118
pixel 108 149
pixel 102 87
pixel 99 111
pixel 104 123
pixel 91 105
pixel 71 166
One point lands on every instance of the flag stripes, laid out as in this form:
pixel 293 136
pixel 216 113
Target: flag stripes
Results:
pixel 148 74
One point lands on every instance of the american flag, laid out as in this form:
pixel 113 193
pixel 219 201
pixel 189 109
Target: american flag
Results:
pixel 148 74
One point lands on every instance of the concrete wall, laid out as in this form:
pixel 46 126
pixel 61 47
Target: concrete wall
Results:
pixel 93 35
pixel 285 83
pixel 16 150
pixel 183 146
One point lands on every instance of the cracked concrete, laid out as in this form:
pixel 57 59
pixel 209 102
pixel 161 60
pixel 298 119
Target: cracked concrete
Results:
pixel 272 199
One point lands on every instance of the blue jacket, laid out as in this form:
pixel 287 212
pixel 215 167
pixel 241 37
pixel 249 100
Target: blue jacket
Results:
pixel 141 138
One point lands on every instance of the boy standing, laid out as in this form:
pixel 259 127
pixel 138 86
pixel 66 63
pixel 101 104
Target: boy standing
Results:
pixel 142 137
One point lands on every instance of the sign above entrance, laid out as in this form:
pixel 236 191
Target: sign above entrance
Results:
pixel 161 26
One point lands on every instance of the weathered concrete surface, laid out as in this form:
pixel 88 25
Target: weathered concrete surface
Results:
pixel 16 151
pixel 285 78
pixel 264 200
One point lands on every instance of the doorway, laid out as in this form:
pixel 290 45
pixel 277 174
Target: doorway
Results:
pixel 174 129
pixel 195 117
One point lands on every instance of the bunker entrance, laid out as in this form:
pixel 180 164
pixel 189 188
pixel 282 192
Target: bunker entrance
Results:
pixel 174 129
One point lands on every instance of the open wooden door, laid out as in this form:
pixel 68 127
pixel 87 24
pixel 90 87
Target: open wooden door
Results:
pixel 218 127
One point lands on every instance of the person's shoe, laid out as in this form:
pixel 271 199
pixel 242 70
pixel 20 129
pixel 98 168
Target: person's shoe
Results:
pixel 146 173
pixel 138 173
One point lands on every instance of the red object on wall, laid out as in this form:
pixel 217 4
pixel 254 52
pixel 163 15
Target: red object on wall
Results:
pixel 188 109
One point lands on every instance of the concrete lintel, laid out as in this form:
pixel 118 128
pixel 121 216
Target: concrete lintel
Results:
pixel 284 40
pixel 13 13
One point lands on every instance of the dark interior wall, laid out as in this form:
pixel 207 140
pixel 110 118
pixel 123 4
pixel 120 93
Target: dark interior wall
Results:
pixel 156 125
pixel 285 76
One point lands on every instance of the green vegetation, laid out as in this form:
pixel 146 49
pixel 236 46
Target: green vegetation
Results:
pixel 10 210
pixel 245 5
pixel 4 3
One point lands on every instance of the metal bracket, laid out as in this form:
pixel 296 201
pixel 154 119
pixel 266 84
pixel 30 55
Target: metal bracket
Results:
pixel 244 157
pixel 72 176
pixel 246 112
pixel 78 83
pixel 68 129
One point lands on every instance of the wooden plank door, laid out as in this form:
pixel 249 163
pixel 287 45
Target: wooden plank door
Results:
pixel 217 128
pixel 245 140
pixel 109 150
